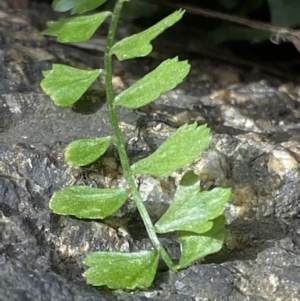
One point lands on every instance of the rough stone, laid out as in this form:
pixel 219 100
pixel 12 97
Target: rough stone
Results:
pixel 255 150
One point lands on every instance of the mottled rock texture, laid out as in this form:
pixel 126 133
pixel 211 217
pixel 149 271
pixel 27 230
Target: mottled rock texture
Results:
pixel 255 150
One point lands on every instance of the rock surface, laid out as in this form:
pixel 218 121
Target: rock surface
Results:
pixel 255 151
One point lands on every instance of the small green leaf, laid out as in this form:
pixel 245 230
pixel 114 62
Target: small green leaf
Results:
pixel 65 85
pixel 139 44
pixel 180 149
pixel 85 151
pixel 165 77
pixel 87 202
pixel 63 5
pixel 78 7
pixel 76 29
pixel 195 246
pixel 192 210
pixel 121 270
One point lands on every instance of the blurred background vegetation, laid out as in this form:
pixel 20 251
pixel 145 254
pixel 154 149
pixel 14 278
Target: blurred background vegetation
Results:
pixel 285 13
pixel 207 34
pixel 243 41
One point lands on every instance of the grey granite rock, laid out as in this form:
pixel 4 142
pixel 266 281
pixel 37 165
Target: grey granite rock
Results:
pixel 20 283
pixel 255 150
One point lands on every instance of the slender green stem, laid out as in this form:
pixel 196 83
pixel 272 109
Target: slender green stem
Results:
pixel 120 141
